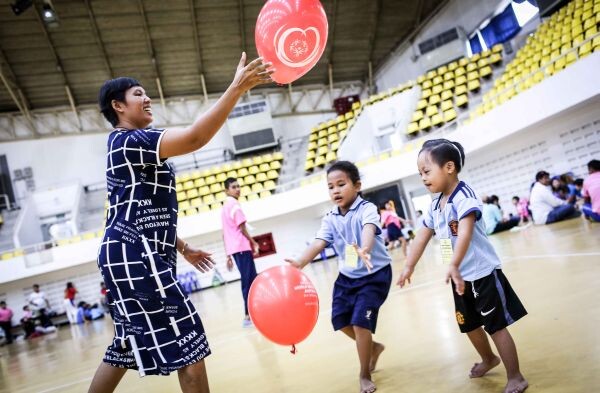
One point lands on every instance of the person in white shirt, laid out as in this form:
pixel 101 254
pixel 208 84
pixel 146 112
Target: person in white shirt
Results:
pixel 37 300
pixel 545 207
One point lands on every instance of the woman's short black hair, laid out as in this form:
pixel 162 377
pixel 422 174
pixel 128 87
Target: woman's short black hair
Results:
pixel 114 89
pixel 540 175
pixel 348 168
pixel 443 151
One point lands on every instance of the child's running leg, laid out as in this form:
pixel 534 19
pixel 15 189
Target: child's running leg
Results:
pixel 364 346
pixel 508 352
pixel 376 349
pixel 488 359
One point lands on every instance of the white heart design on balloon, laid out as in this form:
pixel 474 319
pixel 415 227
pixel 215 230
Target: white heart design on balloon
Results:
pixel 279 44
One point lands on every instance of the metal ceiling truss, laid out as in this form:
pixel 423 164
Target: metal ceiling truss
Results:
pixel 98 39
pixel 283 101
pixel 9 80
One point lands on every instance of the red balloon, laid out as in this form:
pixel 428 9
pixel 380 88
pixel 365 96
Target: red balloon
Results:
pixel 292 35
pixel 283 305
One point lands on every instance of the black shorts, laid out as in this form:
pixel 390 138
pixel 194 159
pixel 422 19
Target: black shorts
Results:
pixel 356 301
pixel 489 301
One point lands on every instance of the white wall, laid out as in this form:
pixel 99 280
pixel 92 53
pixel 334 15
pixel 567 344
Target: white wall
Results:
pixel 467 14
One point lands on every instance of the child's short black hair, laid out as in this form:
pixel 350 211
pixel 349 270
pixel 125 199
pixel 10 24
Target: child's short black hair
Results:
pixel 516 198
pixel 443 151
pixel 420 211
pixel 2 303
pixel 114 89
pixel 594 166
pixel 578 182
pixel 348 168
pixel 228 182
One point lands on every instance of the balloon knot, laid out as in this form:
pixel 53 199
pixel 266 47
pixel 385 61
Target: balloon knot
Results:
pixel 293 351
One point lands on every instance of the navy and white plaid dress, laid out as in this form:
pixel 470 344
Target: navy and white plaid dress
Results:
pixel 157 328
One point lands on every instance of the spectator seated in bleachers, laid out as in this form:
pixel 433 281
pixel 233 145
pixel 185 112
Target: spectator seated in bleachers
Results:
pixel 87 312
pixel 546 208
pixel 561 190
pixel 31 325
pixel 492 217
pixel 591 192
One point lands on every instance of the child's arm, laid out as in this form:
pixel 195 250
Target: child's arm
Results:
pixel 463 240
pixel 309 254
pixel 416 251
pixel 367 239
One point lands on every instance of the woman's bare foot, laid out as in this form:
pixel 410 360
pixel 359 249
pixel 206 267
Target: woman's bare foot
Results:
pixel 480 369
pixel 377 349
pixel 366 385
pixel 516 385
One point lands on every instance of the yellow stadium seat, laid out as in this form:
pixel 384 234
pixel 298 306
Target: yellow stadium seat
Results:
pixel 311 154
pixel 320 161
pixel 261 177
pixel 322 142
pixel 265 193
pixel 442 70
pixel 242 172
pixel 214 188
pixel 412 128
pixel 485 71
pixel 447 95
pixel 424 123
pixel 437 120
pixel 495 59
pixel 460 80
pixel 257 187
pixel 188 185
pixel 427 84
pixel 253 170
pixel 322 150
pixel 473 75
pixel 191 194
pixel 179 186
pixel 335 145
pixel 257 160
pixel 185 177
pixel 332 138
pixel 221 177
pixel 181 196
pixel 426 93
pixel 309 165
pixel 434 99
pixel 437 89
pixel 275 165
pixel 331 156
pixel 463 62
pixel 215 206
pixel 211 180
pixel 497 48
pixel 445 105
pixel 264 167
pixel 431 74
pixel 449 85
pixel 452 66
pixel 471 67
pixel 269 185
pixel 88 236
pixel 431 110
pixel 462 89
pixel 312 145
pixel 349 115
pixel 421 79
pixel 437 80
pixel 252 197
pixel 473 85
pixel 461 100
pixel 245 190
pixel 199 182
pixel 184 205
pixel 204 190
pixel 342 126
pixel 585 49
pixel 196 202
pixel 249 180
pixel 423 103
pixel 246 162
pixel 237 165
pixel 449 115
pixel 417 115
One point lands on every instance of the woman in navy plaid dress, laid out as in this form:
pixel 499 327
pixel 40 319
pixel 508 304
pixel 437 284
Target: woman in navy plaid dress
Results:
pixel 157 328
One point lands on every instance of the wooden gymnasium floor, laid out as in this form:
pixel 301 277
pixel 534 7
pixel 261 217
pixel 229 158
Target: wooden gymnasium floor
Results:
pixel 555 270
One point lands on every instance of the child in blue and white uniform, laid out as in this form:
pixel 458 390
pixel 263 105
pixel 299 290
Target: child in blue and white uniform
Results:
pixel 482 294
pixel 353 228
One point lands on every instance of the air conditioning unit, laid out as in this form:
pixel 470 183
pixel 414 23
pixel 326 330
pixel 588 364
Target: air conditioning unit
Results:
pixel 251 127
pixel 443 48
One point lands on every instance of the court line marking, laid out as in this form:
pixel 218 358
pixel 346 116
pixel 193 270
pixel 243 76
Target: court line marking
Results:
pixel 394 291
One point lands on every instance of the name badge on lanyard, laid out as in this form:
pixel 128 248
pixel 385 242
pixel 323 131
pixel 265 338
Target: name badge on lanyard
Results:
pixel 446 250
pixel 445 243
pixel 351 259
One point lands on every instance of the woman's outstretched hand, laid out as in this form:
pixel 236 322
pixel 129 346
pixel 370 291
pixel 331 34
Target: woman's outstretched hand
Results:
pixel 201 260
pixel 252 74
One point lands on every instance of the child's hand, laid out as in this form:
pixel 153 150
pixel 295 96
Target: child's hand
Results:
pixel 405 275
pixel 365 256
pixel 454 274
pixel 294 263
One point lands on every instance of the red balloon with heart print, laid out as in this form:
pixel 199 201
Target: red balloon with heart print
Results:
pixel 292 35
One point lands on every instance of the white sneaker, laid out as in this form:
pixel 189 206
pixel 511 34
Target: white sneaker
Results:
pixel 247 323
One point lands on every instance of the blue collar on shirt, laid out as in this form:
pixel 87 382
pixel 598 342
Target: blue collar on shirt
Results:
pixel 461 185
pixel 357 202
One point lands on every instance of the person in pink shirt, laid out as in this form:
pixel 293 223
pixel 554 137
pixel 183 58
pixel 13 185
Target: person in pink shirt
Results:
pixel 591 192
pixel 6 315
pixel 239 245
pixel 393 223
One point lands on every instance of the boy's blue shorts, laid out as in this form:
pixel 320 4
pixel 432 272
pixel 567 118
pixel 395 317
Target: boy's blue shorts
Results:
pixel 356 301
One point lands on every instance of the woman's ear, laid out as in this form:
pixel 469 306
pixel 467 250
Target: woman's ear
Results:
pixel 117 106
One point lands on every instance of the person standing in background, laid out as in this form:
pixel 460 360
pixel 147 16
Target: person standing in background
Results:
pixel 239 245
pixel 6 315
